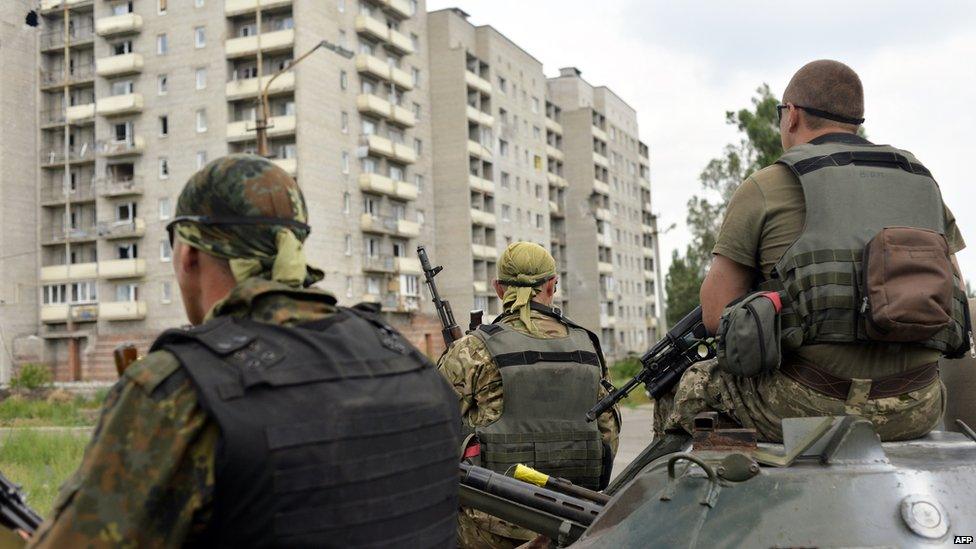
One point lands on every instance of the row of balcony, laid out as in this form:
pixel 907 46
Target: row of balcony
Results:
pixel 380 184
pixel 553 126
pixel 111 269
pixel 384 147
pixel 115 25
pixel 483 218
pixel 91 312
pixel 479 151
pixel 78 35
pixel 393 39
pixel 382 263
pixel 374 66
pixel 557 180
pixel 108 188
pixel 244 130
pixel 246 88
pixel 601 187
pixel 109 230
pixel 51 5
pixel 480 117
pixel 553 152
pixel 599 134
pixel 601 160
pixel 477 82
pixel 233 8
pixel 486 186
pixel 281 40
pixel 389 225
pixel 394 302
pixel 373 104
pixel 483 252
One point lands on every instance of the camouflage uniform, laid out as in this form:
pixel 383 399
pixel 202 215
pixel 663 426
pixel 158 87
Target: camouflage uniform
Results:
pixel 147 477
pixel 468 366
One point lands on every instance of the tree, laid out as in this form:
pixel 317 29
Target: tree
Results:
pixel 758 147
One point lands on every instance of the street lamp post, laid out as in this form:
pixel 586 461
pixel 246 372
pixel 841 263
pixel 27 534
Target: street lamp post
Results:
pixel 264 111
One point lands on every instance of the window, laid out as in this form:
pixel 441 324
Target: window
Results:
pixel 343 80
pixel 416 111
pixel 371 247
pixel 418 146
pixel 163 126
pixel 538 191
pixel 166 292
pixel 201 75
pixel 396 173
pixel 502 85
pixel 344 122
pixel 122 48
pixel 409 285
pixel 399 248
pixel 372 285
pixel 125 211
pixel 506 212
pixel 537 162
pixel 165 251
pixel 418 180
pixel 122 132
pixel 348 244
pixel 201 159
pixel 198 3
pixel 341 6
pixel 201 120
pixel 346 199
pixel 127 292
pixel 415 41
pixel 367 164
pixel 503 147
pixel 162 44
pixel 413 7
pixel 371 205
pixel 127 251
pixel 342 41
pixel 121 8
pixel 345 162
pixel 399 210
pixel 366 47
pixel 122 87
pixel 538 221
pixel 165 208
pixel 420 217
pixel 161 7
pixel 536 132
pixel 163 168
pixel 162 84
pixel 368 126
pixel 416 77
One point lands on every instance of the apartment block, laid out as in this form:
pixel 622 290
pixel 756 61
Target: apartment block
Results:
pixel 152 90
pixel 428 130
pixel 490 183
pixel 612 280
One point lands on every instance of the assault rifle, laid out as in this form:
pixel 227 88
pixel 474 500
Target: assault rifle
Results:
pixel 449 327
pixel 15 514
pixel 663 365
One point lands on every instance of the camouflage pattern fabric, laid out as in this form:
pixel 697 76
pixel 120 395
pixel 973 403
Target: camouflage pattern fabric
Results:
pixel 147 477
pixel 468 366
pixel 245 185
pixel 761 402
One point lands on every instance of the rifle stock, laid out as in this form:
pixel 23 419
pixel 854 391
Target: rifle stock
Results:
pixel 15 514
pixel 125 354
pixel 449 327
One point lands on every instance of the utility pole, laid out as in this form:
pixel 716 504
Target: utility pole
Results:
pixel 264 110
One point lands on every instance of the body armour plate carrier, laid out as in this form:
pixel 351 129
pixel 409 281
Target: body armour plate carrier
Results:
pixel 852 192
pixel 335 433
pixel 549 384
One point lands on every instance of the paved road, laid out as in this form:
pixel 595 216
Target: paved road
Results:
pixel 635 434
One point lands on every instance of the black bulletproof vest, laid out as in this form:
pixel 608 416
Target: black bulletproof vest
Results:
pixel 335 433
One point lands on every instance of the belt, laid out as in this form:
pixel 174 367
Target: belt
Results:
pixel 828 384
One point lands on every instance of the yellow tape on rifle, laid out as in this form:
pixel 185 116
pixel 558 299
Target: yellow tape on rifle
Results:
pixel 530 475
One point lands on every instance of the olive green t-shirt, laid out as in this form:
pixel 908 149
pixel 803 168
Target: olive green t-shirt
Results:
pixel 764 217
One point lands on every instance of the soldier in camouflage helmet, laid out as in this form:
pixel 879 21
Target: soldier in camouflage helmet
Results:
pixel 525 382
pixel 258 426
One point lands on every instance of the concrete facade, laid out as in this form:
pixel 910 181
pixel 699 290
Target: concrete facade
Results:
pixel 433 123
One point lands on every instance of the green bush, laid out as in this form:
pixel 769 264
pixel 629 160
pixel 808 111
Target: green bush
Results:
pixel 625 369
pixel 32 376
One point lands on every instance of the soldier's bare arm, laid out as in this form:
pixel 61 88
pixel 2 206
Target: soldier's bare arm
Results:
pixel 726 280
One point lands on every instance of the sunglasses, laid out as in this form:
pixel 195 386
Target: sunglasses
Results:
pixel 819 113
pixel 207 220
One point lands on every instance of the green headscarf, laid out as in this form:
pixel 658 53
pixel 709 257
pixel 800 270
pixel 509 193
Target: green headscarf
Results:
pixel 523 268
pixel 246 186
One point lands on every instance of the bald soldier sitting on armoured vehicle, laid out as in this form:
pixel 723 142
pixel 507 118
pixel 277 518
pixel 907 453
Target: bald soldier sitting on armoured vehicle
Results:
pixel 279 419
pixel 868 306
pixel 524 384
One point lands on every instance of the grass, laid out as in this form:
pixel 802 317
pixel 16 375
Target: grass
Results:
pixel 67 411
pixel 40 461
pixel 620 373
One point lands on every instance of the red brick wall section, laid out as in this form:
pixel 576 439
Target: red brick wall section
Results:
pixel 423 330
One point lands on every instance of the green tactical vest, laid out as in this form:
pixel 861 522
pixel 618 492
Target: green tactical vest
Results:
pixel 851 191
pixel 549 386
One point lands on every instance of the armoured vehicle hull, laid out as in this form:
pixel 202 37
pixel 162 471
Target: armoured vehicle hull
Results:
pixel 844 489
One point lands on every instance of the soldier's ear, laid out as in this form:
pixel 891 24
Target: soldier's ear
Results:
pixel 499 288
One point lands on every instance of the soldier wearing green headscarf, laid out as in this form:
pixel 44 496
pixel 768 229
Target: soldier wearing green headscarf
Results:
pixel 525 383
pixel 273 421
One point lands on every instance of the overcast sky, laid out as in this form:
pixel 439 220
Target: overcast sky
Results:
pixel 683 64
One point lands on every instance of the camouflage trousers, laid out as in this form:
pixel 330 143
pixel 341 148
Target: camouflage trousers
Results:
pixel 477 530
pixel 761 402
